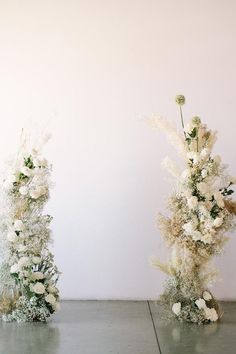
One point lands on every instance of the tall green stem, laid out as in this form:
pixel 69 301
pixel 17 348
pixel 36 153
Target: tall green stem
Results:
pixel 182 120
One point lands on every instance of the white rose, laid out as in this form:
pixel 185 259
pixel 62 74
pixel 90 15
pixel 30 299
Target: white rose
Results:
pixel 51 299
pixel 217 159
pixel 204 173
pixel 23 190
pixel 206 296
pixel 201 304
pixel 188 228
pixel 193 156
pixel 22 248
pixel 207 238
pixel 205 152
pixel 211 314
pixel 192 202
pixel 176 308
pixel 38 288
pixel 203 187
pixel 218 222
pixel 52 289
pixel 26 171
pixel 15 268
pixel 219 199
pixel 196 235
pixel 38 192
pixel 24 262
pixel 18 225
pixel 11 236
pixel 36 260
pixel 38 276
pixel 56 307
pixel 186 174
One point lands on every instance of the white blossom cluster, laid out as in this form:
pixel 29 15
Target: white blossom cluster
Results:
pixel 27 235
pixel 202 212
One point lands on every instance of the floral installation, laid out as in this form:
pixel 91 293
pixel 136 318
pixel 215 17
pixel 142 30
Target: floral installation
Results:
pixel 201 212
pixel 28 274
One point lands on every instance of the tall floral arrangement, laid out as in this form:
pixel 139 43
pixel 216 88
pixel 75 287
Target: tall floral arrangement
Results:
pixel 28 273
pixel 201 212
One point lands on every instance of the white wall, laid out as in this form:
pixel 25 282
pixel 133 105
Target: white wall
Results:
pixel 95 69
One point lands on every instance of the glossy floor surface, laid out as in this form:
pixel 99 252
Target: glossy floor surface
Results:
pixel 118 327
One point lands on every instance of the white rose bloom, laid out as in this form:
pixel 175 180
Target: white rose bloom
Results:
pixel 57 306
pixel 188 228
pixel 203 187
pixel 11 236
pixel 206 296
pixel 204 173
pixel 36 260
pixel 24 262
pixel 201 304
pixel 26 171
pixel 22 248
pixel 52 289
pixel 186 174
pixel 193 156
pixel 38 192
pixel 192 202
pixel 196 235
pixel 23 190
pixel 38 288
pixel 51 299
pixel 211 314
pixel 38 276
pixel 15 268
pixel 176 308
pixel 218 222
pixel 18 225
pixel 219 199
pixel 204 153
pixel 207 238
pixel 217 159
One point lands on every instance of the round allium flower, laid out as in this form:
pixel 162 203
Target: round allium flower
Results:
pixel 218 222
pixel 201 303
pixel 176 308
pixel 38 288
pixel 196 120
pixel 204 173
pixel 11 236
pixel 36 260
pixel 180 100
pixel 38 192
pixel 18 225
pixel 15 268
pixel 50 299
pixel 206 296
pixel 38 276
pixel 23 190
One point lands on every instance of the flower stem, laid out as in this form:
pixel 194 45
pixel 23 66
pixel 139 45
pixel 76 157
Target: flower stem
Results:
pixel 182 120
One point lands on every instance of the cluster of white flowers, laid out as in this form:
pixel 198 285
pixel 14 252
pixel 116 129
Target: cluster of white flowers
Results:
pixel 209 313
pixel 202 212
pixel 27 235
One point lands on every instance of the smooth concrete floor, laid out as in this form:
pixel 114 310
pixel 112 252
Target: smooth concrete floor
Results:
pixel 118 327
